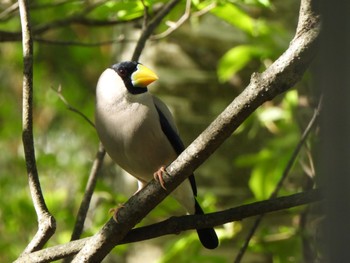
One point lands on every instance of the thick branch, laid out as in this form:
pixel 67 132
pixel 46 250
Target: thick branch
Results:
pixel 279 77
pixel 46 223
pixel 176 225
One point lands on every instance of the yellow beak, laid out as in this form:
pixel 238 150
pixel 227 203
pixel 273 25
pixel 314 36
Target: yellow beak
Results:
pixel 143 76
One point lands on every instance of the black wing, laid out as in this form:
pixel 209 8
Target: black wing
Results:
pixel 175 141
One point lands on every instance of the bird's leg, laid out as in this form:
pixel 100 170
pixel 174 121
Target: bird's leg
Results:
pixel 159 176
pixel 115 211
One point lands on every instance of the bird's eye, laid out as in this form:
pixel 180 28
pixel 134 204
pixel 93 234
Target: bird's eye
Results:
pixel 122 72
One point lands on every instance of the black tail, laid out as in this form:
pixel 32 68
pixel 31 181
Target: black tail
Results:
pixel 207 236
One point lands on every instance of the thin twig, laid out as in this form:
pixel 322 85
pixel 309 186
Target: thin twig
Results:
pixel 175 25
pixel 205 10
pixel 175 225
pixel 46 222
pixel 120 39
pixel 285 173
pixel 145 15
pixel 89 190
pixel 147 32
pixel 70 107
pixel 85 203
pixel 10 10
pixel 6 36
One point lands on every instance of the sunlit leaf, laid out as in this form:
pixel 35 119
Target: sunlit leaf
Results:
pixel 264 3
pixel 123 10
pixel 240 19
pixel 236 59
pixel 271 114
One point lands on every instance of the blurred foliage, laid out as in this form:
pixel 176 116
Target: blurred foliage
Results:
pixel 202 65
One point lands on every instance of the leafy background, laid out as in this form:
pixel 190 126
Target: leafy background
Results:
pixel 202 65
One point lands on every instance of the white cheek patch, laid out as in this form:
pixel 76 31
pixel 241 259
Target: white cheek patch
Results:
pixel 110 85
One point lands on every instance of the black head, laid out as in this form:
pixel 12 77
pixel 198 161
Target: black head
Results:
pixel 125 70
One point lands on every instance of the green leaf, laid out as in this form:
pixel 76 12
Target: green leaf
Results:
pixel 123 10
pixel 266 173
pixel 236 59
pixel 264 3
pixel 271 114
pixel 235 16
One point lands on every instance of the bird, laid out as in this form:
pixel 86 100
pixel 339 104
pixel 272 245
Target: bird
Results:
pixel 139 133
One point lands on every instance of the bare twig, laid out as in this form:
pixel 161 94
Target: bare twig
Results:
pixel 205 10
pixel 146 33
pixel 76 19
pixel 71 108
pixel 89 190
pixel 175 225
pixel 286 171
pixel 11 9
pixel 145 15
pixel 120 39
pixel 46 222
pixel 187 14
pixel 6 36
pixel 175 25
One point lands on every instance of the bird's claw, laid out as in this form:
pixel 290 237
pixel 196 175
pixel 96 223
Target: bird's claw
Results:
pixel 159 176
pixel 115 211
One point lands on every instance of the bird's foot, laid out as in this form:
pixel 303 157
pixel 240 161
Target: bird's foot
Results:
pixel 115 211
pixel 159 176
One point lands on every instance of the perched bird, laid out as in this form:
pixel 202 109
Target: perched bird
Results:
pixel 139 132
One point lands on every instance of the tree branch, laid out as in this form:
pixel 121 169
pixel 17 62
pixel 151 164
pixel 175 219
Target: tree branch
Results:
pixel 80 19
pixel 89 190
pixel 175 225
pixel 120 39
pixel 46 222
pixel 284 73
pixel 174 25
pixel 71 108
pixel 148 30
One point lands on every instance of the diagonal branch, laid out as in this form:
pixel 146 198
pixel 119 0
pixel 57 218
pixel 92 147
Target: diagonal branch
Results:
pixel 72 108
pixel 175 225
pixel 46 222
pixel 283 74
pixel 89 190
pixel 174 25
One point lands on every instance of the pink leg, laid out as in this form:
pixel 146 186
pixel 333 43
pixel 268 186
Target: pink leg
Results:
pixel 159 176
